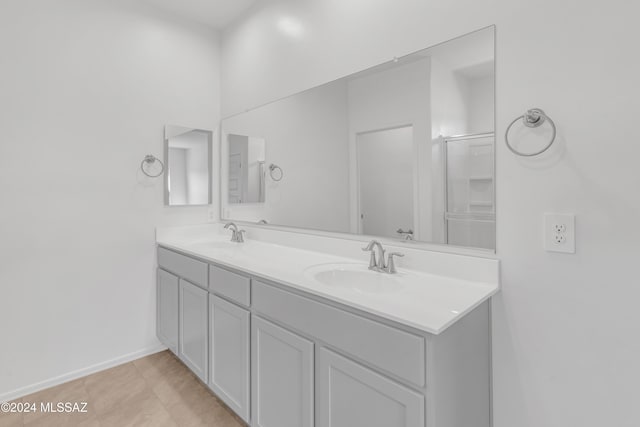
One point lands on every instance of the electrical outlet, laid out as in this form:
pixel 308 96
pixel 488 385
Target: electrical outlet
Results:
pixel 560 228
pixel 560 233
pixel 211 215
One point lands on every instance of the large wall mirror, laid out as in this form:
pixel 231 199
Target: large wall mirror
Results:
pixel 403 150
pixel 188 162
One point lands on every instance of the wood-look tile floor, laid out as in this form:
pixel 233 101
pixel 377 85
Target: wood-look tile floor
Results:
pixel 154 391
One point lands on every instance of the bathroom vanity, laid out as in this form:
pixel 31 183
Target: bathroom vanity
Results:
pixel 282 338
pixel 291 328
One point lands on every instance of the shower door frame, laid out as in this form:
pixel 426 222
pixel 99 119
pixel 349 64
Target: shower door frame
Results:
pixel 458 138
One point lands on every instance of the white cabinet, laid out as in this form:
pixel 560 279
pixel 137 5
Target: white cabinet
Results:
pixel 167 311
pixel 282 377
pixel 229 354
pixel 340 368
pixel 350 395
pixel 193 337
pixel 390 349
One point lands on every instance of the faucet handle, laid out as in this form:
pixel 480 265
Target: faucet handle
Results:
pixel 372 259
pixel 240 236
pixel 370 246
pixel 391 265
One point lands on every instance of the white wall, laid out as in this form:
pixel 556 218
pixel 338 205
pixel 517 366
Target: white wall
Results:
pixel 480 105
pixel 565 327
pixel 306 136
pixel 86 88
pixel 449 101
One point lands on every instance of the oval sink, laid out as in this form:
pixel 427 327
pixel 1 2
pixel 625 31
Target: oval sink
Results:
pixel 355 277
pixel 224 245
pixel 217 244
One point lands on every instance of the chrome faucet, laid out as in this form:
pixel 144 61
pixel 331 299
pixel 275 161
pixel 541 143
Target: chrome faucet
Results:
pixel 236 235
pixel 391 265
pixel 378 263
pixel 375 263
pixel 406 235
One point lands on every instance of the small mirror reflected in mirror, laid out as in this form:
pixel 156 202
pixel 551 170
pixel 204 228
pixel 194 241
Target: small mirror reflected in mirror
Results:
pixel 188 158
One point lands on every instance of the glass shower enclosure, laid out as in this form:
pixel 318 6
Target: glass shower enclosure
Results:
pixel 469 218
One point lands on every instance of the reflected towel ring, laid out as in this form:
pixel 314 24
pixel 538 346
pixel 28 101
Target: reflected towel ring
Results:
pixel 272 169
pixel 532 118
pixel 148 160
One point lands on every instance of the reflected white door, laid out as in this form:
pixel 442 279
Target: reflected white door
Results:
pixel 385 181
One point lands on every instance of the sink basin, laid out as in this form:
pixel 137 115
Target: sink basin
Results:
pixel 217 244
pixel 356 277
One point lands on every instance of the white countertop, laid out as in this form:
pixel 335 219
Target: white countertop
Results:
pixel 424 301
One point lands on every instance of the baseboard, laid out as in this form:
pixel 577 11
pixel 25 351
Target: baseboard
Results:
pixel 24 391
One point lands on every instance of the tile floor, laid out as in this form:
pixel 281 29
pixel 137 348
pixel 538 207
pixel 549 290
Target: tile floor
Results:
pixel 154 391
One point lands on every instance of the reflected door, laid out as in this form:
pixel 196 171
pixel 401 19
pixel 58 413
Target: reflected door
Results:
pixel 385 181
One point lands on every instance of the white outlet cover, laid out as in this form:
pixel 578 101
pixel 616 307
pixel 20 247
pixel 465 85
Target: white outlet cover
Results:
pixel 554 222
pixel 211 215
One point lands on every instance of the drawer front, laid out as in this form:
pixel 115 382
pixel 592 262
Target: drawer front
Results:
pixel 231 285
pixel 186 267
pixel 393 350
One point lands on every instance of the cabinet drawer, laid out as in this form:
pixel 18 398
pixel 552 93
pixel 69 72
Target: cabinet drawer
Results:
pixel 181 265
pixel 393 350
pixel 231 285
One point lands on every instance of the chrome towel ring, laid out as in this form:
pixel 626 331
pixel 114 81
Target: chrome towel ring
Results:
pixel 273 168
pixel 533 118
pixel 149 159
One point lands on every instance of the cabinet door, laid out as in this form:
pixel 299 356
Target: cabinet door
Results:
pixel 281 377
pixel 350 395
pixel 167 309
pixel 193 349
pixel 229 360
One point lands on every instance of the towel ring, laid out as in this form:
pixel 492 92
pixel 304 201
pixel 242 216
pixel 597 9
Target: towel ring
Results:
pixel 533 118
pixel 149 159
pixel 272 169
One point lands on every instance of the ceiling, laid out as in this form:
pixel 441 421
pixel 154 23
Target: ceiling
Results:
pixel 215 13
pixel 471 53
